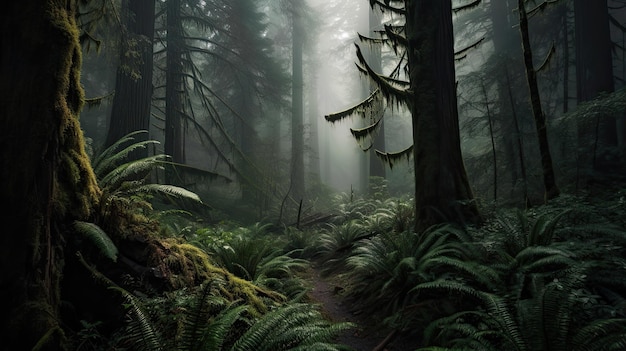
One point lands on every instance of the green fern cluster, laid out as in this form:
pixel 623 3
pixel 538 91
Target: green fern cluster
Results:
pixel 206 322
pixel 548 292
pixel 253 254
pixel 551 278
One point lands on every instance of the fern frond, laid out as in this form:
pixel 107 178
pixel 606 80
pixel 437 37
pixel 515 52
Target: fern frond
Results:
pixel 601 335
pixel 541 259
pixel 141 332
pixel 131 171
pixel 217 331
pixel 542 232
pixel 451 287
pixel 106 153
pixel 98 237
pixel 288 327
pixel 168 190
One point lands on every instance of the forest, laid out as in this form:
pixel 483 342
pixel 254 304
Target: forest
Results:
pixel 356 175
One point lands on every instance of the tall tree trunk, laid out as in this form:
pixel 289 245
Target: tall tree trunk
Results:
pixel 377 168
pixel 594 72
pixel 47 181
pixel 518 139
pixel 297 108
pixel 174 142
pixel 566 59
pixel 442 191
pixel 133 85
pixel 549 181
pixel 313 119
pixel 506 42
pixel 494 158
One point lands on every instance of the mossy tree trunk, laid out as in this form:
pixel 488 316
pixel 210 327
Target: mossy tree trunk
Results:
pixel 133 85
pixel 442 190
pixel 47 180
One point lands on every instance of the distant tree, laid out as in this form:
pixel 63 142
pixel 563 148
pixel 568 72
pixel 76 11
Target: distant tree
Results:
pixel 297 101
pixel 133 86
pixel 47 180
pixel 377 168
pixel 507 48
pixel 252 84
pixel 425 44
pixel 207 62
pixel 549 180
pixel 174 88
pixel 594 74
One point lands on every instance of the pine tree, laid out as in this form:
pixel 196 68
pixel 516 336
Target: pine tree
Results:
pixel 424 45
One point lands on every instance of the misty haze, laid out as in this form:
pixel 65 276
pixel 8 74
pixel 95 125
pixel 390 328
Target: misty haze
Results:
pixel 360 175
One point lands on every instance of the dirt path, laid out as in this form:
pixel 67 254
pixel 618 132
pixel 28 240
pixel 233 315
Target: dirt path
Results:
pixel 366 336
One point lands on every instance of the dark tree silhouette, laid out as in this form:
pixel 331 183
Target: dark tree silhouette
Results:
pixel 133 85
pixel 549 181
pixel 46 175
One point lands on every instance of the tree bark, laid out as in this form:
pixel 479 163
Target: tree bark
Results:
pixel 297 108
pixel 442 191
pixel 174 95
pixel 594 75
pixel 46 177
pixel 549 181
pixel 377 168
pixel 133 86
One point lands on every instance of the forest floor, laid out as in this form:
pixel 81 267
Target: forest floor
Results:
pixel 366 335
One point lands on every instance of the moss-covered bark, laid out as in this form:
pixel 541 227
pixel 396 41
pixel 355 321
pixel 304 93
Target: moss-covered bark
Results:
pixel 46 177
pixel 442 191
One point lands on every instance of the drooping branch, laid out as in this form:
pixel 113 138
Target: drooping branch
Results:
pixel 469 6
pixel 371 41
pixel 402 84
pixel 362 133
pixel 385 5
pixel 389 91
pixel 359 108
pixel 616 23
pixel 391 158
pixel 548 58
pixel 530 13
pixel 396 39
pixel 461 54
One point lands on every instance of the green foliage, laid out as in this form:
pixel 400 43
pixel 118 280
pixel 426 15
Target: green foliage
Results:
pixel 98 237
pixel 141 332
pixel 118 176
pixel 206 322
pixel 555 319
pixel 336 244
pixel 250 254
pixel 291 327
pixel 385 269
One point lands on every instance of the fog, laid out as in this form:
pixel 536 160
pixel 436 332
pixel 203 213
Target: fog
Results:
pixel 237 109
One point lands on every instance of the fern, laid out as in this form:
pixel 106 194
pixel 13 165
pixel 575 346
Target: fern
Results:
pixel 141 332
pixel 167 190
pixel 552 320
pixel 296 326
pixel 112 156
pixel 98 237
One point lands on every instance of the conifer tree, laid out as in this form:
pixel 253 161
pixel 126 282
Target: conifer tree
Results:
pixel 425 46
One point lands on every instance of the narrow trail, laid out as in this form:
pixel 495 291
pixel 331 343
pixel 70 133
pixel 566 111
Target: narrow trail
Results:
pixel 365 336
